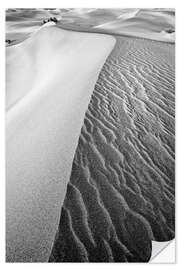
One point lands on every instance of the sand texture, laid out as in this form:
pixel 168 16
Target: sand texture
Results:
pixel 120 195
pixel 49 81
pixel 90 134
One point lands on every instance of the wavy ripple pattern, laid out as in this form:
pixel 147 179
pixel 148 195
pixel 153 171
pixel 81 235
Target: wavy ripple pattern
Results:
pixel 121 192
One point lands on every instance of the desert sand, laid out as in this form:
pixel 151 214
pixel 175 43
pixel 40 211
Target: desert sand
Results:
pixel 90 148
pixel 154 23
pixel 121 192
pixel 50 78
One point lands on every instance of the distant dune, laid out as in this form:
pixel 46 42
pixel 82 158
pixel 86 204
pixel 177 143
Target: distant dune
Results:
pixel 143 23
pixel 121 191
pixel 156 24
pixel 49 80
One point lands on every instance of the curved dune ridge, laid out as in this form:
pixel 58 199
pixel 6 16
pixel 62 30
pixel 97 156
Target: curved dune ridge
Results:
pixel 120 195
pixel 49 81
pixel 150 23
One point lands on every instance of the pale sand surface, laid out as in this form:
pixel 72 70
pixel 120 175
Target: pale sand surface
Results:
pixel 120 195
pixel 50 79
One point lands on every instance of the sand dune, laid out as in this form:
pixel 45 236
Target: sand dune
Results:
pixel 156 24
pixel 121 191
pixel 142 23
pixel 49 81
pixel 146 23
pixel 107 176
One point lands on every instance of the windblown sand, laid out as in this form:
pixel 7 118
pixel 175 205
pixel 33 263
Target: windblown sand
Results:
pixel 120 195
pixel 49 81
pixel 120 198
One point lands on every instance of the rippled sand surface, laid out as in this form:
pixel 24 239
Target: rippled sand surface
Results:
pixel 121 190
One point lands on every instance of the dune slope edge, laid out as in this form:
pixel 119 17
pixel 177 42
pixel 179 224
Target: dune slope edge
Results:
pixel 50 79
pixel 121 191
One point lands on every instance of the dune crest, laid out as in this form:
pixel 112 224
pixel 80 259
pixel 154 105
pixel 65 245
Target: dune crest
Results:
pixel 49 79
pixel 120 195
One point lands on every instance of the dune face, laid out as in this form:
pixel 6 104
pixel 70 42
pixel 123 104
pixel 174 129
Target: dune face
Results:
pixel 150 24
pixel 120 195
pixel 50 78
pixel 90 134
pixel 155 24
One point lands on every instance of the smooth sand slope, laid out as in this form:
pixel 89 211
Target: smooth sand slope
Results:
pixel 155 24
pixel 145 23
pixel 121 191
pixel 50 78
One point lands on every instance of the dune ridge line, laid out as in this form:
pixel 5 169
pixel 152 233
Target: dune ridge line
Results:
pixel 120 197
pixel 49 79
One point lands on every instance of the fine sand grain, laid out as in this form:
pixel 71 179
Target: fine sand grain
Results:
pixel 121 191
pixel 49 82
pixel 94 155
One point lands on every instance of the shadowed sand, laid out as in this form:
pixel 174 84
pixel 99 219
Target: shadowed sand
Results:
pixel 121 191
pixel 120 195
pixel 50 78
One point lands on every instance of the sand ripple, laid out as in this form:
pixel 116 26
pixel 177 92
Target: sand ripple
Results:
pixel 121 191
